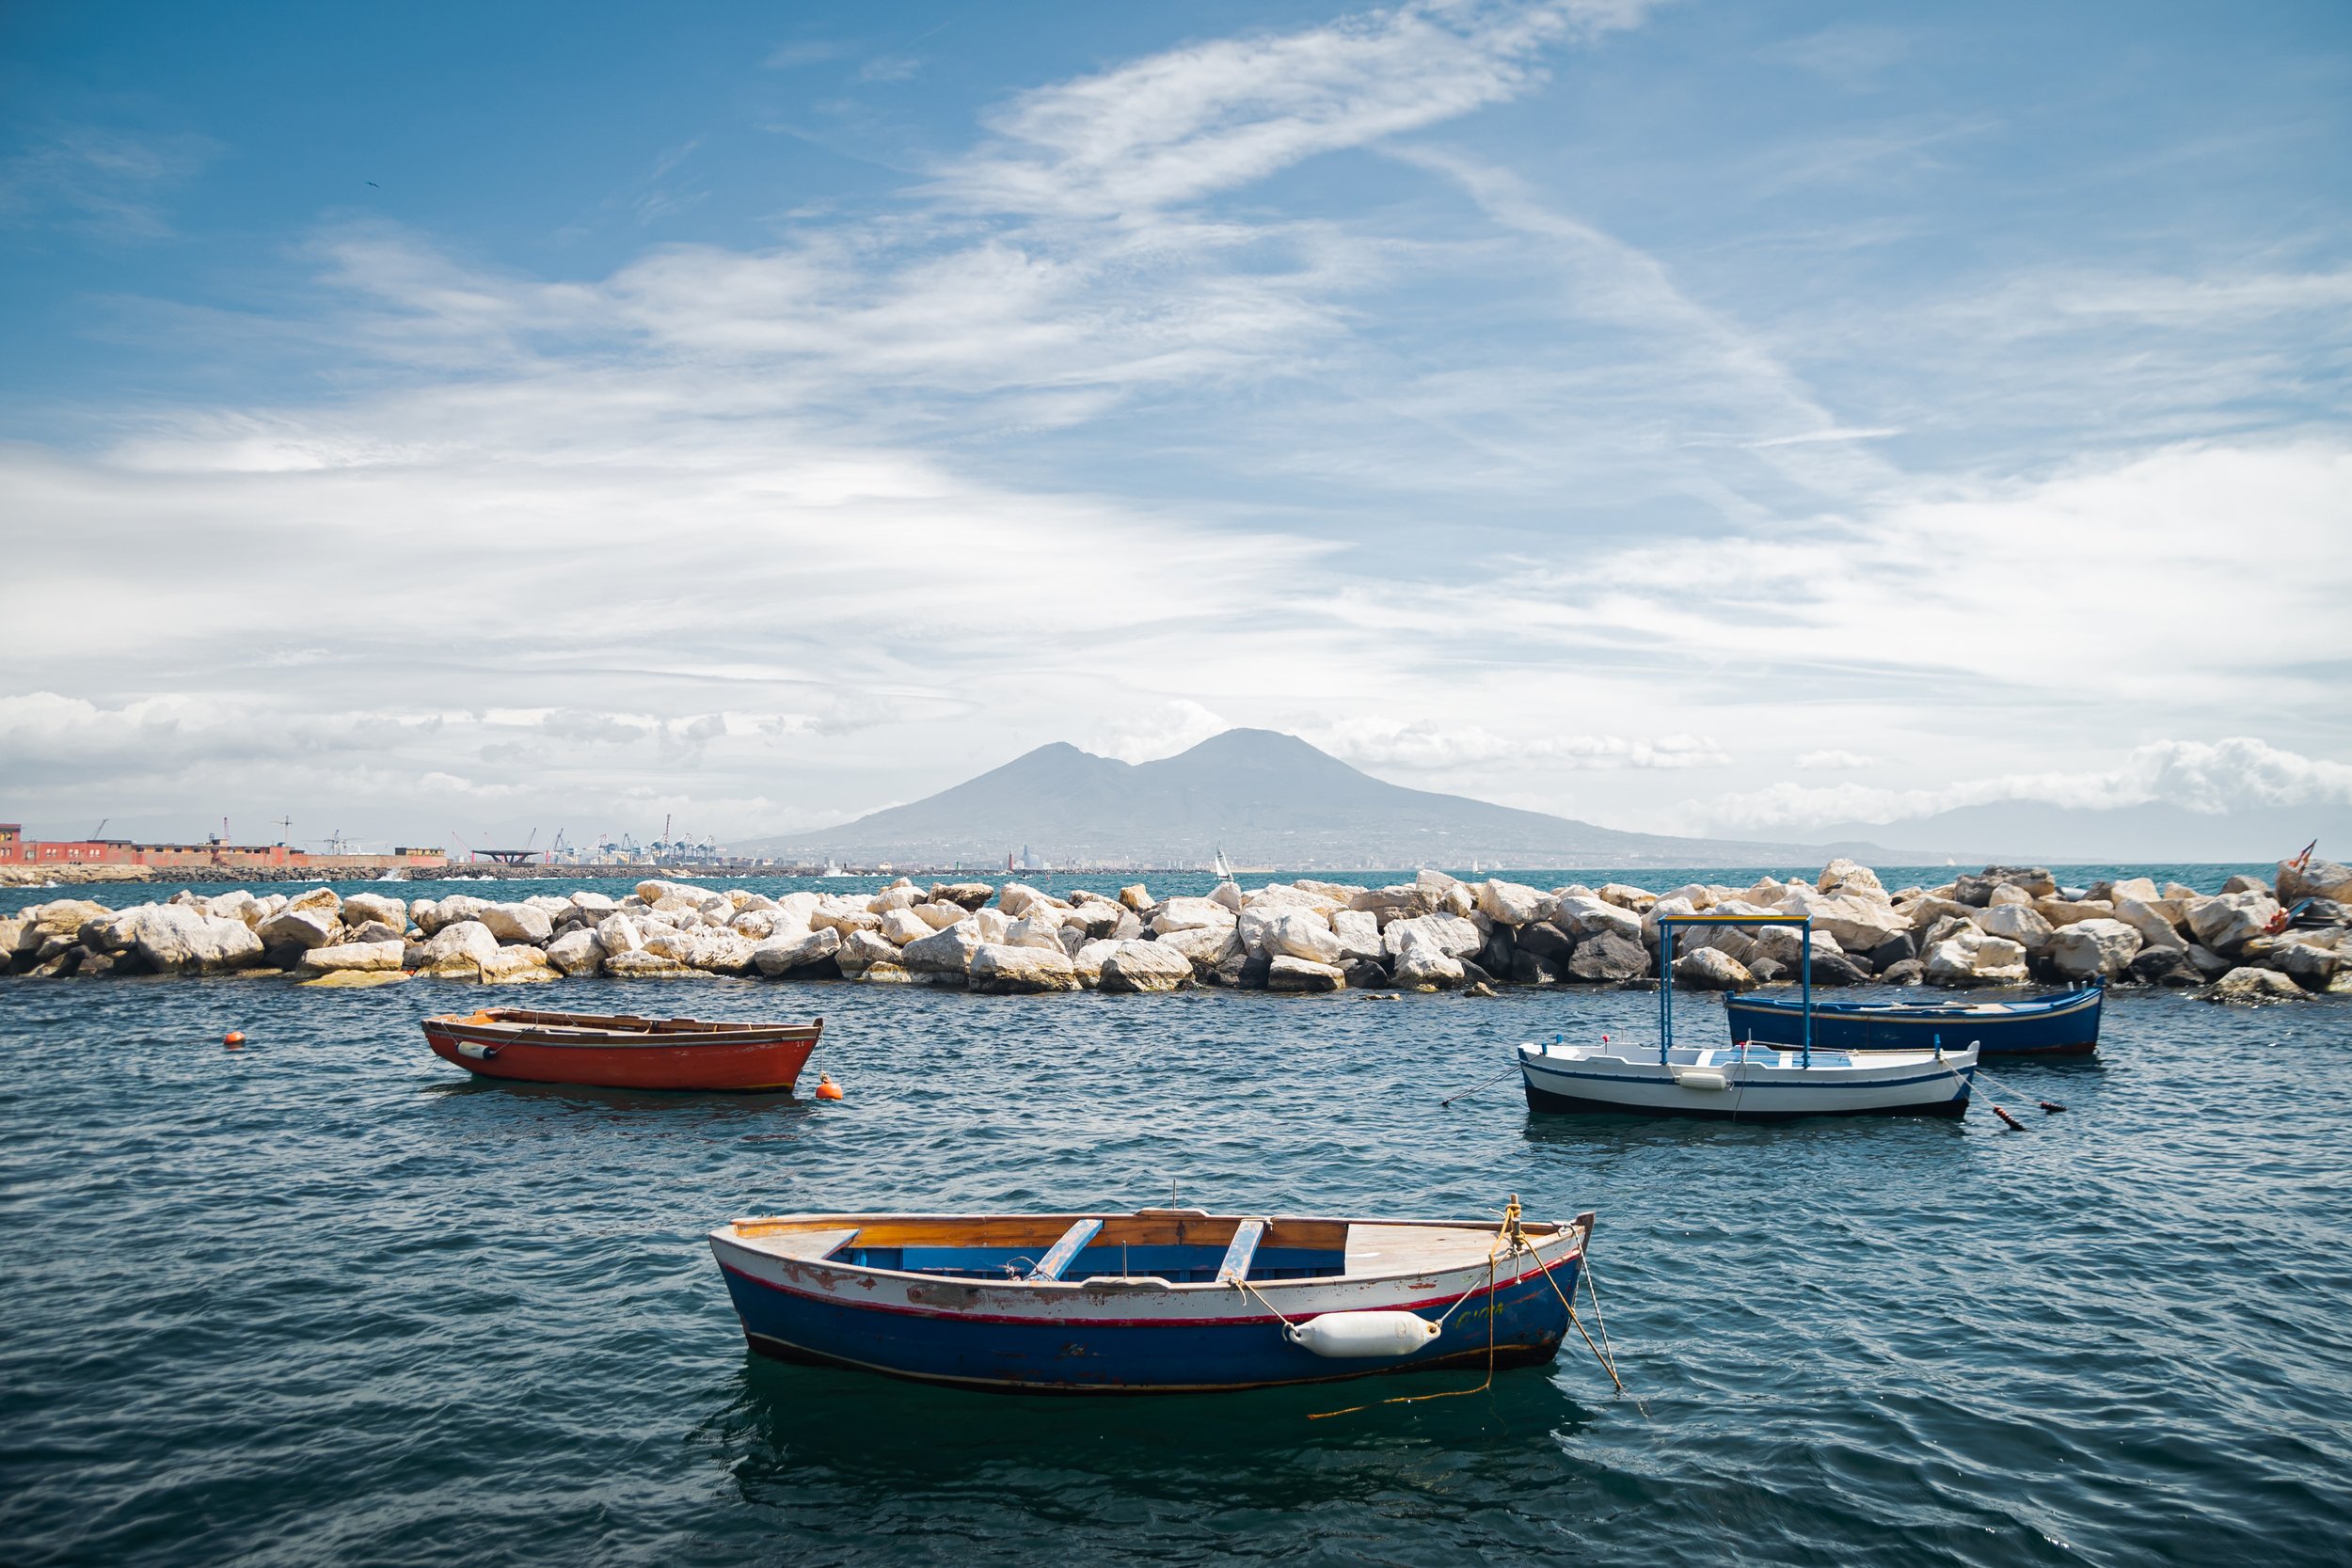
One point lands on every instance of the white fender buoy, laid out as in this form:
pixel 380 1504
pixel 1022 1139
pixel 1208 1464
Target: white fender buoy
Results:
pixel 1349 1334
pixel 1701 1078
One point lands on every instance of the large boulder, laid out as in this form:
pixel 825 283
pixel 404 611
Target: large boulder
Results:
pixel 998 969
pixel 943 952
pixel 2251 988
pixel 1844 878
pixel 1543 940
pixel 902 926
pixel 2019 922
pixel 1711 969
pixel 2148 921
pixel 1359 934
pixel 360 908
pixel 1511 903
pixel 1192 914
pixel 1583 914
pixel 516 964
pixel 862 949
pixel 788 951
pixel 459 949
pixel 1423 963
pixel 1605 957
pixel 1289 974
pixel 2231 920
pixel 1302 934
pixel 618 933
pixel 1041 927
pixel 1145 966
pixel 575 952
pixel 302 927
pixel 1205 948
pixel 1968 956
pixel 1450 934
pixel 517 922
pixel 2315 960
pixel 964 895
pixel 641 964
pixel 721 951
pixel 361 957
pixel 173 938
pixel 1859 924
pixel 2068 911
pixel 433 917
pixel 2316 879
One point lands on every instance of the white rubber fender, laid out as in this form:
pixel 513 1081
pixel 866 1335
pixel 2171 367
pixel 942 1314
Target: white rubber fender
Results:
pixel 1701 1078
pixel 1346 1335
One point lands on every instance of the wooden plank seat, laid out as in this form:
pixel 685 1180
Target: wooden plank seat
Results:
pixel 1240 1251
pixel 806 1246
pixel 1064 1252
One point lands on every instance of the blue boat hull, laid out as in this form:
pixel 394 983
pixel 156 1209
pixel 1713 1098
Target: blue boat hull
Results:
pixel 2058 1026
pixel 1112 1355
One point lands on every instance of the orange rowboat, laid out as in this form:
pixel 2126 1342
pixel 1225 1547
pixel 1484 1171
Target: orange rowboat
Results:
pixel 622 1052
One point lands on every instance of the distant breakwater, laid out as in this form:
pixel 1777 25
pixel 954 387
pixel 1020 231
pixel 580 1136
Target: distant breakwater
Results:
pixel 2282 938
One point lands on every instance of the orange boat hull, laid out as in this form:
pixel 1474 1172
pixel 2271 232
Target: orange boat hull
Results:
pixel 727 1066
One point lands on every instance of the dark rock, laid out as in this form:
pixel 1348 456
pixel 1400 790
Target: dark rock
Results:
pixel 2166 966
pixel 96 965
pixel 1768 972
pixel 969 894
pixel 1894 950
pixel 2243 883
pixel 1906 971
pixel 284 955
pixel 1527 969
pixel 1837 968
pixel 1547 940
pixel 1606 956
pixel 2035 879
pixel 1243 973
pixel 1364 974
pixel 1500 948
pixel 1476 974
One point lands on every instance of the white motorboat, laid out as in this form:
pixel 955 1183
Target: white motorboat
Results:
pixel 1744 1081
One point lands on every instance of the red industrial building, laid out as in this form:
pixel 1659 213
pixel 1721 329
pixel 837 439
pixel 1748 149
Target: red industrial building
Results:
pixel 16 850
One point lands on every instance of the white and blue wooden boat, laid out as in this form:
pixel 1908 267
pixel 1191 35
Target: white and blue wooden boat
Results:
pixel 1158 1301
pixel 1743 1082
pixel 2066 1024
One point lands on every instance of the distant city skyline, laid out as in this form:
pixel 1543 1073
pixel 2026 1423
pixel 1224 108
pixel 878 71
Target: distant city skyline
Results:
pixel 1751 422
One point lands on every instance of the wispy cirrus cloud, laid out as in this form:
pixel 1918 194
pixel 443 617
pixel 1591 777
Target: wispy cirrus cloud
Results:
pixel 111 184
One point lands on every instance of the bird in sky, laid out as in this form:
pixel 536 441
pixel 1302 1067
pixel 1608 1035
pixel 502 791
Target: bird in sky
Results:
pixel 373 183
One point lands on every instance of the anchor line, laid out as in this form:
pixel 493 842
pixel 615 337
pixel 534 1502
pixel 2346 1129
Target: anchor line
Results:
pixel 1508 1238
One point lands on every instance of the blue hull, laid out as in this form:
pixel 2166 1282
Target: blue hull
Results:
pixel 1129 1355
pixel 2064 1025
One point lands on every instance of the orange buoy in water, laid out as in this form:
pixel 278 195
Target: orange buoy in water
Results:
pixel 233 1040
pixel 826 1087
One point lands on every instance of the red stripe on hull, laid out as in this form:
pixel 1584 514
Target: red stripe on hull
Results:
pixel 731 1066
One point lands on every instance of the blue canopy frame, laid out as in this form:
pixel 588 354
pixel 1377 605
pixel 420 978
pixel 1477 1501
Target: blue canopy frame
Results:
pixel 1667 924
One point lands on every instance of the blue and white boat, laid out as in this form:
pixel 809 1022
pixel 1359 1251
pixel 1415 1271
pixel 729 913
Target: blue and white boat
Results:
pixel 1157 1300
pixel 1743 1082
pixel 2066 1024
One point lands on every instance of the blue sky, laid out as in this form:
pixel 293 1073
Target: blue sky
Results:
pixel 1684 416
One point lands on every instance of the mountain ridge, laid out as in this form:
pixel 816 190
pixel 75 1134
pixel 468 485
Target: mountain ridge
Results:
pixel 1261 795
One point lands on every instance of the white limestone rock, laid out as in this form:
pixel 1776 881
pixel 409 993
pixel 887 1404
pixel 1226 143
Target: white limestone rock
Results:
pixel 1849 878
pixel 2094 949
pixel 175 939
pixel 1711 969
pixel 1205 947
pixel 944 952
pixel 2228 922
pixel 362 956
pixel 304 927
pixel 516 964
pixel 1145 966
pixel 596 906
pixel 1193 915
pixel 1858 923
pixel 1090 957
pixel 2252 987
pixel 1358 935
pixel 360 908
pixel 862 948
pixel 939 914
pixel 1450 935
pixel 998 969
pixel 459 949
pixel 2148 921
pixel 1303 975
pixel 575 952
pixel 1302 934
pixel 1510 903
pixel 2019 922
pixel 642 965
pixel 900 924
pixel 517 922
pixel 796 949
pixel 618 933
pixel 1968 956
pixel 233 904
pixel 1038 928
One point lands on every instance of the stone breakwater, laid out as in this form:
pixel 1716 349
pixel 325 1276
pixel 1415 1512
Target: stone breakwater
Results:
pixel 2255 940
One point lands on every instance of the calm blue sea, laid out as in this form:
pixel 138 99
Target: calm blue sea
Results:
pixel 324 1300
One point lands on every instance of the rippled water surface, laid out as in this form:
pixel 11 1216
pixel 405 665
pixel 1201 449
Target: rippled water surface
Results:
pixel 325 1299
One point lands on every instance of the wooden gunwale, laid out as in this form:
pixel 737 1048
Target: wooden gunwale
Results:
pixel 1148 1227
pixel 615 1031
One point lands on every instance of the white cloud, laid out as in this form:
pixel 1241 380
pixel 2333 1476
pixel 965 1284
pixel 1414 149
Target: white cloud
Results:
pixel 1832 760
pixel 107 182
pixel 2212 778
pixel 1172 727
pixel 1423 744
